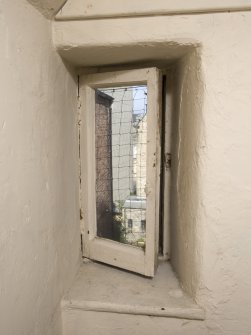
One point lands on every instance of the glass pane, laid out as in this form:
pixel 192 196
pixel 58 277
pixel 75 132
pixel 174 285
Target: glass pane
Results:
pixel 121 137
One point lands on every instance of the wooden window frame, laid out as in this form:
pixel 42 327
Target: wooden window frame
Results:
pixel 104 250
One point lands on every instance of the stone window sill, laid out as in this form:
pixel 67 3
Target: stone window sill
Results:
pixel 102 288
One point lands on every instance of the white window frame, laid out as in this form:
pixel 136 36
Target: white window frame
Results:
pixel 100 249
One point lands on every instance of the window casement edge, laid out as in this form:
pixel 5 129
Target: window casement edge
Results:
pixel 128 257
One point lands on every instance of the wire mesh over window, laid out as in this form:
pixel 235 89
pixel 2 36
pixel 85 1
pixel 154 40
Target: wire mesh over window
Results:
pixel 121 149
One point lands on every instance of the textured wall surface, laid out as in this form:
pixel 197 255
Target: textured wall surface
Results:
pixel 39 219
pixel 90 323
pixel 213 184
pixel 187 141
pixel 82 9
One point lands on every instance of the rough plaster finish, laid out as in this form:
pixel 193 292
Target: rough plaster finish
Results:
pixel 39 218
pixel 100 323
pixel 213 162
pixel 187 142
pixel 102 288
pixel 86 9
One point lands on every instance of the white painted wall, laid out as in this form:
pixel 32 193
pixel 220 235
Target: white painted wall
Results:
pixel 39 218
pixel 84 9
pixel 213 184
pixel 187 142
pixel 48 8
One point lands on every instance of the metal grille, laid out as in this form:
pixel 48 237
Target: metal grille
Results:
pixel 121 142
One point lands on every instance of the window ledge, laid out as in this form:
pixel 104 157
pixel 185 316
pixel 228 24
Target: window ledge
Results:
pixel 102 288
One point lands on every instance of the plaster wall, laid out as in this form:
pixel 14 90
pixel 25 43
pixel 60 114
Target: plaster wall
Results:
pixel 92 323
pixel 212 183
pixel 48 8
pixel 83 9
pixel 186 143
pixel 39 217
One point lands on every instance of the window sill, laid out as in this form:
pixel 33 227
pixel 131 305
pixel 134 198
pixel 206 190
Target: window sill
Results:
pixel 102 288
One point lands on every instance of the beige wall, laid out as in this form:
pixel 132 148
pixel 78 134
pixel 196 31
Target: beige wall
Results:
pixel 212 158
pixel 187 141
pixel 39 229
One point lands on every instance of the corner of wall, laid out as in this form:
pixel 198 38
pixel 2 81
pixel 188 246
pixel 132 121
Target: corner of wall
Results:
pixel 187 139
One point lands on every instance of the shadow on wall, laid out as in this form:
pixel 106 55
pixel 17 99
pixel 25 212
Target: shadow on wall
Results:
pixel 48 8
pixel 187 150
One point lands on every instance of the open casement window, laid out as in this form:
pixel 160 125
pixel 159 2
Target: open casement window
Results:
pixel 120 168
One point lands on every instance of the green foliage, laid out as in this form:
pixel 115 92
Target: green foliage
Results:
pixel 119 230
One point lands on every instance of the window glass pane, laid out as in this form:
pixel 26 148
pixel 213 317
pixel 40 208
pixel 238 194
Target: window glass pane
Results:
pixel 120 140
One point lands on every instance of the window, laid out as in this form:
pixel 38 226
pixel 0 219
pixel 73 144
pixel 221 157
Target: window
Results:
pixel 120 168
pixel 129 225
pixel 143 225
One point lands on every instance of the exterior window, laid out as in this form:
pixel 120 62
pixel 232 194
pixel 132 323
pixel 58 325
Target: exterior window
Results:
pixel 120 166
pixel 143 225
pixel 129 225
